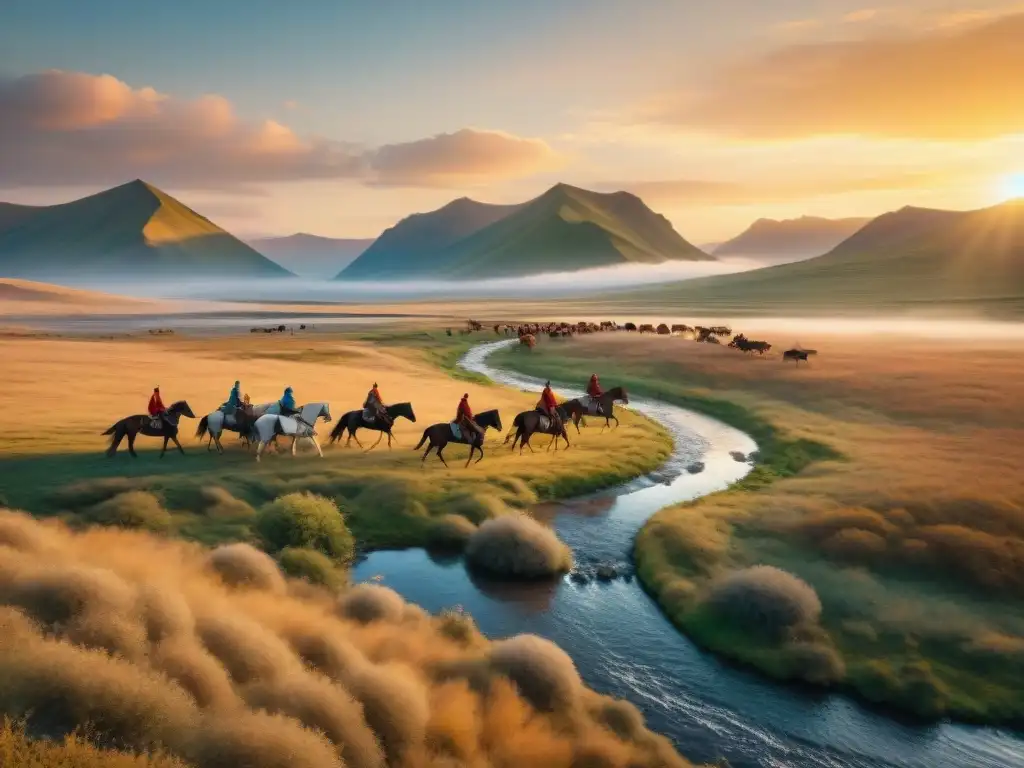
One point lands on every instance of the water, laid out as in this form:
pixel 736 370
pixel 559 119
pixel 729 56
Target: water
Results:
pixel 623 646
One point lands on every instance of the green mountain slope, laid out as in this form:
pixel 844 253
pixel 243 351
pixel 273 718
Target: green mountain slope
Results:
pixel 130 231
pixel 796 238
pixel 400 249
pixel 564 229
pixel 11 214
pixel 911 258
pixel 312 256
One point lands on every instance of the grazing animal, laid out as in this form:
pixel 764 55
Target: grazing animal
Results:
pixel 529 423
pixel 646 328
pixel 576 409
pixel 630 326
pixel 528 340
pixel 143 424
pixel 663 330
pixel 796 355
pixel 440 435
pixel 302 425
pixel 353 421
pixel 680 328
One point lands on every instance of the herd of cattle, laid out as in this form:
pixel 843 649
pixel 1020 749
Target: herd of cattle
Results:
pixel 528 333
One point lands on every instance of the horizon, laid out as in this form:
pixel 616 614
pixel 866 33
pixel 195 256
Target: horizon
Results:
pixel 715 117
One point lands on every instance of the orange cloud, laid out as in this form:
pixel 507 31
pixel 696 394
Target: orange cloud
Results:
pixel 71 128
pixel 946 85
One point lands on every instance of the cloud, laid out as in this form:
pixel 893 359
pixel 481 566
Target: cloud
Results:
pixel 962 84
pixel 71 128
pixel 864 14
pixel 722 193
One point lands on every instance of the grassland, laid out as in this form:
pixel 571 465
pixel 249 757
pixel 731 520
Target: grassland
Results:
pixel 888 481
pixel 60 394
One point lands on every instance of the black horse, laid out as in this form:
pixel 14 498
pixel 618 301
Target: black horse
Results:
pixel 144 424
pixel 354 420
pixel 441 434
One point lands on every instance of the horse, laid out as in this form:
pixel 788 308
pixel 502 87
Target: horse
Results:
pixel 797 355
pixel 442 434
pixel 269 425
pixel 214 424
pixel 576 409
pixel 529 423
pixel 165 427
pixel 354 420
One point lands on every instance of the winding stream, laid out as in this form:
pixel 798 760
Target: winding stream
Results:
pixel 623 646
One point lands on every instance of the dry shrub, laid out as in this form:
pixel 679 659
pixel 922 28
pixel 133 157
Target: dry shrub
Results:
pixel 518 546
pixel 475 507
pixel 764 599
pixel 21 532
pixel 332 655
pixel 459 627
pixel 987 560
pixel 247 650
pixel 306 520
pixel 854 544
pixel 824 524
pixel 164 612
pixel 814 662
pixel 450 532
pixel 203 677
pixel 371 602
pixel 241 565
pixel 542 672
pixel 259 740
pixel 19 751
pixel 134 509
pixel 219 503
pixel 395 705
pixel 58 594
pixel 312 566
pixel 324 707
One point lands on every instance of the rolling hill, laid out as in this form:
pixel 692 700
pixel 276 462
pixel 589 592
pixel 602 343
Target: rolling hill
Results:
pixel 128 232
pixel 311 255
pixel 790 239
pixel 910 258
pixel 564 229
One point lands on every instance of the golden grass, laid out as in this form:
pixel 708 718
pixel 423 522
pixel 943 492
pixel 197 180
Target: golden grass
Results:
pixel 240 673
pixel 913 539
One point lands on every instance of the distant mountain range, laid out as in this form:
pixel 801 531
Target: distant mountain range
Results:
pixel 789 239
pixel 130 231
pixel 913 257
pixel 311 256
pixel 562 230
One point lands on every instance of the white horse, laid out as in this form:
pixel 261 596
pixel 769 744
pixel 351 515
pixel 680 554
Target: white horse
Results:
pixel 269 425
pixel 216 422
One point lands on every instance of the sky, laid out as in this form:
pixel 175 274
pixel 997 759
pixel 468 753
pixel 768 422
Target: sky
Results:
pixel 339 118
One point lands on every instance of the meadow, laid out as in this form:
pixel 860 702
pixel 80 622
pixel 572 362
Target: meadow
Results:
pixel 878 545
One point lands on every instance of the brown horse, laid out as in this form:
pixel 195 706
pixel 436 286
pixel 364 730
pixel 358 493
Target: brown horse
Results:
pixel 142 424
pixel 355 420
pixel 441 434
pixel 575 410
pixel 529 423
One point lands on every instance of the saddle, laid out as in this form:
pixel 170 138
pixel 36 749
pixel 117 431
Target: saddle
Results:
pixel 544 422
pixel 471 437
pixel 456 430
pixel 591 405
pixel 157 422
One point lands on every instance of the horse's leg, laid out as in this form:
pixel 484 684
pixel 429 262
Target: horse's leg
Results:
pixel 317 446
pixel 481 457
pixel 175 439
pixel 295 441
pixel 389 439
pixel 375 444
pixel 352 436
pixel 615 418
pixel 440 455
pixel 164 449
pixel 259 450
pixel 131 444
pixel 115 441
pixel 426 453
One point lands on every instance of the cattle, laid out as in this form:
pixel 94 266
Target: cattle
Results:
pixel 663 330
pixel 630 326
pixel 680 328
pixel 646 328
pixel 797 355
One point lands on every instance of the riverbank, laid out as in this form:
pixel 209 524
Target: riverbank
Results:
pixel 897 503
pixel 54 466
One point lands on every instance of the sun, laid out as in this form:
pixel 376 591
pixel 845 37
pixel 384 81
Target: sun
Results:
pixel 1012 187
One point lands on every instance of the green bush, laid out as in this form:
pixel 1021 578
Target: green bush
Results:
pixel 311 565
pixel 308 521
pixel 134 509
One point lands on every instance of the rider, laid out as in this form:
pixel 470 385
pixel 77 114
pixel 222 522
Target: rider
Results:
pixel 595 391
pixel 548 404
pixel 287 403
pixel 465 419
pixel 375 403
pixel 157 409
pixel 234 400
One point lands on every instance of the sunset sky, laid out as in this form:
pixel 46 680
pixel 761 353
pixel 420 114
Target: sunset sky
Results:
pixel 339 118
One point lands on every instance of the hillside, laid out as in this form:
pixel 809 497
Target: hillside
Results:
pixel 11 214
pixel 564 229
pixel 311 255
pixel 910 258
pixel 790 239
pixel 404 249
pixel 130 231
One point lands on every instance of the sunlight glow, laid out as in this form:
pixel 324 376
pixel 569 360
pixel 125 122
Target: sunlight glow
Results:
pixel 1012 187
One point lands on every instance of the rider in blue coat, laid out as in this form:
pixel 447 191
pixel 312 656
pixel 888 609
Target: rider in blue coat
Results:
pixel 287 403
pixel 234 400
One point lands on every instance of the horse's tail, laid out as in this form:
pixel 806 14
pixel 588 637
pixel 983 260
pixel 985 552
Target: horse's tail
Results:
pixel 422 439
pixel 339 428
pixel 201 429
pixel 110 431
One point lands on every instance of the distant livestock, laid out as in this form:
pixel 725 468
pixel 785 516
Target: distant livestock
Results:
pixel 744 344
pixel 796 355
pixel 630 326
pixel 663 330
pixel 646 328
pixel 529 340
pixel 680 328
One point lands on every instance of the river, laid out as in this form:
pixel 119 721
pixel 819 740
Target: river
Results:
pixel 623 645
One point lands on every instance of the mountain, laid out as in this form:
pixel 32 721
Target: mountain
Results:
pixel 790 239
pixel 11 214
pixel 913 257
pixel 130 231
pixel 310 255
pixel 405 249
pixel 564 229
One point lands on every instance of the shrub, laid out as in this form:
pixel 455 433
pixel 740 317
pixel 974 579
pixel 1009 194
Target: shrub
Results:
pixel 134 509
pixel 450 532
pixel 221 504
pixel 371 602
pixel 518 546
pixel 240 565
pixel 544 674
pixel 311 565
pixel 21 532
pixel 854 544
pixel 814 662
pixel 305 520
pixel 765 600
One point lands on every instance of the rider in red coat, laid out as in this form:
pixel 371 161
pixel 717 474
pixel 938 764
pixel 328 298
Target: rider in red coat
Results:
pixel 548 404
pixel 464 416
pixel 156 405
pixel 595 391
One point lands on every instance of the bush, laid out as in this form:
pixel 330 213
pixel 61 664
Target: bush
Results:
pixel 306 520
pixel 544 674
pixel 518 546
pixel 311 565
pixel 240 565
pixel 221 504
pixel 765 600
pixel 450 533
pixel 371 602
pixel 854 544
pixel 134 509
